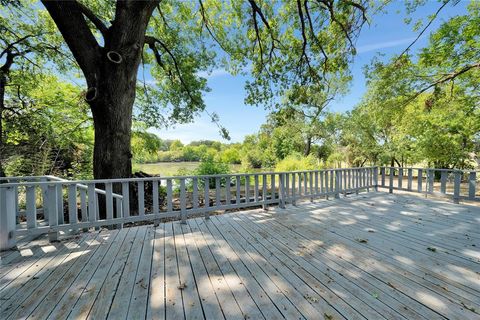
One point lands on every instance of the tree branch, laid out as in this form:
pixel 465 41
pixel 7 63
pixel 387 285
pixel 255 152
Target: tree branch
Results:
pixel 69 18
pixel 448 77
pixel 93 18
pixel 423 30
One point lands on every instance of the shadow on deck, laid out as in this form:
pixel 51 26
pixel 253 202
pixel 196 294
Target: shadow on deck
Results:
pixel 371 256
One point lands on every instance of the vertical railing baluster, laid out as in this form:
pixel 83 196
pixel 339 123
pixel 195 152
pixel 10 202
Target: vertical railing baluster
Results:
pixel 83 204
pixel 349 178
pixel 337 184
pixel 310 181
pixel 419 180
pixel 155 194
pixel 264 191
pixel 59 192
pixel 382 171
pixel 322 189
pixel 300 188
pixel 72 204
pixel 195 192
pixel 16 204
pixel 443 182
pixel 52 211
pixel 456 186
pixel 218 200
pixel 109 200
pixel 183 201
pixel 31 208
pixel 410 179
pixel 305 183
pixel 237 194
pixel 8 218
pixel 327 188
pixel 332 185
pixel 126 200
pixel 294 198
pixel 92 203
pixel 169 195
pixel 392 173
pixel 119 213
pixel 44 188
pixel 316 183
pixel 256 187
pixel 375 178
pixel 281 190
pixel 141 198
pixel 472 181
pixel 228 190
pixel 206 189
pixel 431 177
pixel 272 186
pixel 287 187
pixel 247 188
pixel 400 178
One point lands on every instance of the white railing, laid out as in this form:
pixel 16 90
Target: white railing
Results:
pixel 452 183
pixel 33 205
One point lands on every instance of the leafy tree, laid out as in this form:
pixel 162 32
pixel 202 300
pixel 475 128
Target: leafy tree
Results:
pixel 26 44
pixel 284 43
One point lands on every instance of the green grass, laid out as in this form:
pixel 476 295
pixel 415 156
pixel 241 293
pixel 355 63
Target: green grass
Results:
pixel 173 168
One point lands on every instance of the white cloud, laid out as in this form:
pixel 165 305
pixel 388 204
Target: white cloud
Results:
pixel 201 129
pixel 384 45
pixel 214 73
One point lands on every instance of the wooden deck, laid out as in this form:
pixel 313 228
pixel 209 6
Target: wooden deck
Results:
pixel 374 256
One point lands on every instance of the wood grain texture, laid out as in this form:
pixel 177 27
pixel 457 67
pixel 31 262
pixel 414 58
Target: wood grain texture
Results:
pixel 373 256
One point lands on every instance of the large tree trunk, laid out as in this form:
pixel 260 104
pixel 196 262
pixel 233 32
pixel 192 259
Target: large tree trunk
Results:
pixel 308 146
pixel 111 74
pixel 3 83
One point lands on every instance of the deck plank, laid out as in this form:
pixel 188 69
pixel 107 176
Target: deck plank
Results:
pixel 53 292
pixel 188 287
pixel 104 298
pixel 42 281
pixel 211 307
pixel 121 301
pixel 229 256
pixel 156 302
pixel 246 303
pixel 63 307
pixel 293 244
pixel 368 256
pixel 173 295
pixel 86 298
pixel 138 302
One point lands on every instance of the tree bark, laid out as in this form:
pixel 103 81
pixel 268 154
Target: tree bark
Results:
pixel 308 146
pixel 110 72
pixel 3 83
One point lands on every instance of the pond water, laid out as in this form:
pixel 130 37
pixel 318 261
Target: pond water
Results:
pixel 174 168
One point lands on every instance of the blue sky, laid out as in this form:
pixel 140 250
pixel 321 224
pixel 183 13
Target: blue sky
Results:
pixel 388 35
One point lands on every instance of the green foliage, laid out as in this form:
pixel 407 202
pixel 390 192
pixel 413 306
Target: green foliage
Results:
pixel 296 162
pixel 53 135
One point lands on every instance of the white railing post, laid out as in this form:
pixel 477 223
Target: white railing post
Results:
pixel 281 195
pixel 8 218
pixel 183 202
pixel 52 212
pixel 472 181
pixel 264 192
pixel 337 184
pixel 390 187
pixel 456 186
pixel 375 178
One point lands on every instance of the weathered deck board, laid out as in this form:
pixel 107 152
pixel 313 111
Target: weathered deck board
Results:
pixel 374 256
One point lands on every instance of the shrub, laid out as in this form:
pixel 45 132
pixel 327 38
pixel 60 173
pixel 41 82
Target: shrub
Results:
pixel 210 167
pixel 296 162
